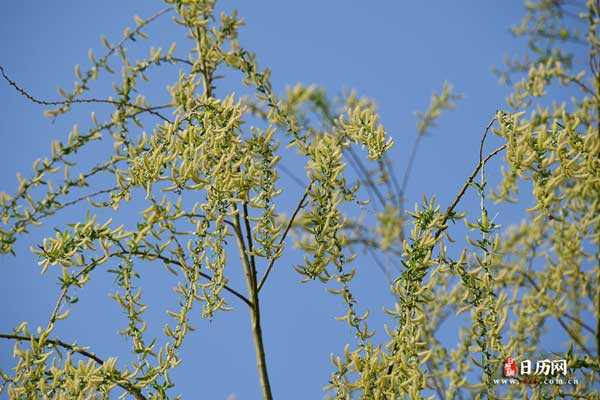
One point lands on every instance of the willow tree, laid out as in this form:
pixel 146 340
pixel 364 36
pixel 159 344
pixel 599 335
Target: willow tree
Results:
pixel 204 176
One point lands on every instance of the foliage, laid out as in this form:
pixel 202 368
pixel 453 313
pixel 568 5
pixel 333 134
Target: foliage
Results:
pixel 505 286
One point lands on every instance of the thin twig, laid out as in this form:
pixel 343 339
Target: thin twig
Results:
pixel 356 163
pixel 101 61
pixel 135 32
pixel 86 197
pixel 359 167
pixel 33 99
pixel 175 262
pixel 382 267
pixel 409 166
pixel 450 211
pixel 436 383
pixel 395 182
pixel 129 387
pixel 293 176
pixel 285 233
pixel 560 320
pixel 142 255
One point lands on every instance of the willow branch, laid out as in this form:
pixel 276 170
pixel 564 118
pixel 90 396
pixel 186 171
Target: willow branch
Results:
pixel 394 178
pixel 285 233
pixel 409 166
pixel 101 61
pixel 149 256
pixel 359 168
pixel 33 99
pixel 562 323
pixel 293 176
pixel 168 260
pixel 450 210
pixel 355 162
pixel 136 31
pixel 250 273
pixel 249 240
pixel 129 387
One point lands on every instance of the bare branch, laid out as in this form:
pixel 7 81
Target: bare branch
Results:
pixel 411 161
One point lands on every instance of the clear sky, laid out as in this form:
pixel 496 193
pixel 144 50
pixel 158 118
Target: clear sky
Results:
pixel 397 53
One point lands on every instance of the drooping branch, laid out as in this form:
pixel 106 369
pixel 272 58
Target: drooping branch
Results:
pixel 129 387
pixel 165 260
pixel 168 260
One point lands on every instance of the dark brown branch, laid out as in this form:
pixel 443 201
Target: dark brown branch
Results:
pixel 47 213
pixel 175 262
pixel 166 260
pixel 482 142
pixel 182 61
pixel 30 97
pixel 135 32
pixel 86 197
pixel 129 387
pixel 249 240
pixel 102 61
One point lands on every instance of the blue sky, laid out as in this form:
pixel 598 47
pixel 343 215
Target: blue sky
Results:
pixel 397 53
